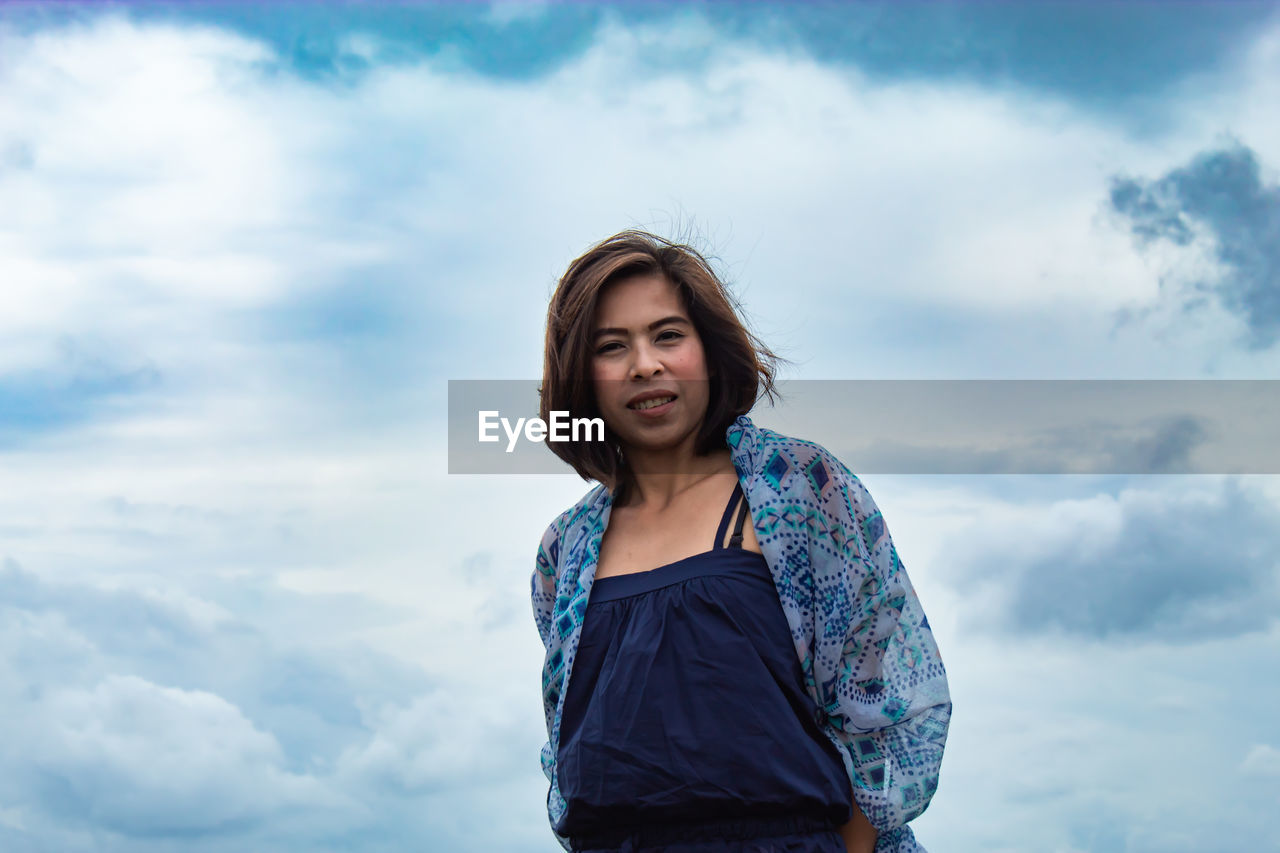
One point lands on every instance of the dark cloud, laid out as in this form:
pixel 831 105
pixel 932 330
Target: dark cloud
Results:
pixel 1219 194
pixel 1155 446
pixel 1158 445
pixel 83 381
pixel 1114 57
pixel 1178 570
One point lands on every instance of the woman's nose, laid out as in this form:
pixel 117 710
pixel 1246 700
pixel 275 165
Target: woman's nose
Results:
pixel 646 361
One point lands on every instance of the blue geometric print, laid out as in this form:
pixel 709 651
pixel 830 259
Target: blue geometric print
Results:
pixel 868 656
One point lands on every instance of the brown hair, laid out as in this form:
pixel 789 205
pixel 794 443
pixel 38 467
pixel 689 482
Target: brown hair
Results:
pixel 741 367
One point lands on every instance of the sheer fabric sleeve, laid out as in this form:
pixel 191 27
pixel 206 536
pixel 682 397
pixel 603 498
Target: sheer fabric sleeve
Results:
pixel 543 584
pixel 876 665
pixel 543 589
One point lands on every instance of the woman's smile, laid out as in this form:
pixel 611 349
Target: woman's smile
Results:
pixel 654 408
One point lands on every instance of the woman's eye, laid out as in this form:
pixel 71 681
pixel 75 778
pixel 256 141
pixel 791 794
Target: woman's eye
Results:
pixel 674 335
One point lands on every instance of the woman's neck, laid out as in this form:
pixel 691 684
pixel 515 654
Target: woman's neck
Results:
pixel 655 484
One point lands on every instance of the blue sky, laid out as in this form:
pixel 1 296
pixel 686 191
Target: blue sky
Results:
pixel 242 605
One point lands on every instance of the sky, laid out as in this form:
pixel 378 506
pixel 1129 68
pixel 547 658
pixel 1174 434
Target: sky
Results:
pixel 244 248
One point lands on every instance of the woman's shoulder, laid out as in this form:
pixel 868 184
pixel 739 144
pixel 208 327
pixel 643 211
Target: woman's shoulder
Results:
pixel 587 504
pixel 548 563
pixel 788 463
pixel 755 447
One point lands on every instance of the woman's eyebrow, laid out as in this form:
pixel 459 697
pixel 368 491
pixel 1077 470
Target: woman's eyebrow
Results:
pixel 614 330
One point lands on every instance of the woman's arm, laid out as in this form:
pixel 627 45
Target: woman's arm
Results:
pixel 543 588
pixel 876 666
pixel 858 834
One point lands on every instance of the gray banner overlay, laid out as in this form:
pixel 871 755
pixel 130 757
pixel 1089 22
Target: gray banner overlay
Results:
pixel 946 426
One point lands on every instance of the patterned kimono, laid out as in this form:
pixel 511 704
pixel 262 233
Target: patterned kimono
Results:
pixel 869 658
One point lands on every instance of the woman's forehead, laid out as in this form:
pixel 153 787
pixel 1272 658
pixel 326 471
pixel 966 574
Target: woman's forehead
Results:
pixel 638 296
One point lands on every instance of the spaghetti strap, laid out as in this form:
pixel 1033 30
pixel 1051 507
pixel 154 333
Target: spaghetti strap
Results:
pixel 736 541
pixel 724 519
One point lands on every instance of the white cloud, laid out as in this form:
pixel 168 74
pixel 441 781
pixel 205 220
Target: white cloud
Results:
pixel 1064 739
pixel 165 193
pixel 143 758
pixel 185 184
pixel 505 12
pixel 1263 760
pixel 452 738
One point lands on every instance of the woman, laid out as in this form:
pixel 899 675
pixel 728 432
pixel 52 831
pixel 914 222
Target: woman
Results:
pixel 777 689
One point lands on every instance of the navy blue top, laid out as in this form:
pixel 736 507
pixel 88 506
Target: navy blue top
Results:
pixel 687 702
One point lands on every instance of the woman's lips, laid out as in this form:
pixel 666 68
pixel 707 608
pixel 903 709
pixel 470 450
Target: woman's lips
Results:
pixel 656 411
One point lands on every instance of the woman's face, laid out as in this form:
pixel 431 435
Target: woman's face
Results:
pixel 645 344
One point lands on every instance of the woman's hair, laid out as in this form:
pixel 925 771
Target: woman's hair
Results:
pixel 741 368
